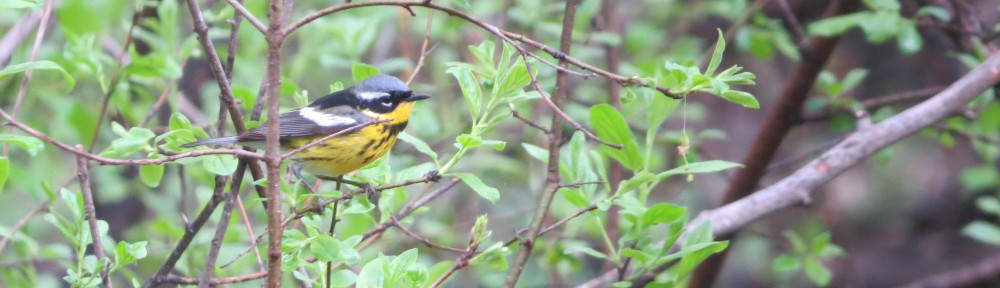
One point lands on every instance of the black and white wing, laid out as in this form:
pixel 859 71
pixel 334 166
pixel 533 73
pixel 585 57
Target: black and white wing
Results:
pixel 310 122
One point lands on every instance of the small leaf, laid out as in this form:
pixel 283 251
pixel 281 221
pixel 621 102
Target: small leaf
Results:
pixel 151 174
pixel 585 250
pixel 4 172
pixel 742 98
pixel 909 39
pixel 835 26
pixel 362 71
pixel 469 140
pixel 817 272
pixel 720 47
pixel 934 11
pixel 487 192
pixel 785 263
pixel 342 278
pixel 38 65
pixel 983 231
pixel 612 127
pixel 536 152
pixel 220 164
pixel 325 248
pixel 700 167
pixel 663 213
pixel 30 144
pixel 575 196
pixel 470 89
pixel 420 145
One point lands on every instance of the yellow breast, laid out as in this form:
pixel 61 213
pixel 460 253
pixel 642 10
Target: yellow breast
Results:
pixel 344 154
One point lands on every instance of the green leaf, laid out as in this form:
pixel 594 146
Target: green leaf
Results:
pixel 838 25
pixel 785 263
pixel 699 167
pixel 988 204
pixel 663 213
pixel 817 272
pixel 983 231
pixel 38 65
pixel 612 127
pixel 585 250
pixel 575 196
pixel 342 278
pixel 980 178
pixel 220 164
pixel 536 152
pixel 487 192
pixel 372 275
pixel 934 11
pixel 132 141
pixel 470 89
pixel 325 248
pixel 881 26
pixel 469 140
pixel 18 4
pixel 28 143
pixel 637 255
pixel 797 243
pixel 720 47
pixel 885 5
pixel 495 144
pixel 420 145
pixel 742 98
pixel 909 39
pixel 151 174
pixel 4 172
pixel 362 71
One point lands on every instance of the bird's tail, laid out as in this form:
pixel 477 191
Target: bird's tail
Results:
pixel 216 141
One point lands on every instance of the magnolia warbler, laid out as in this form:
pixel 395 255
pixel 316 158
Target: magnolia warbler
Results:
pixel 380 99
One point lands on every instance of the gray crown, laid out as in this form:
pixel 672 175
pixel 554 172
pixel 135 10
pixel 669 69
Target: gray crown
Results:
pixel 381 83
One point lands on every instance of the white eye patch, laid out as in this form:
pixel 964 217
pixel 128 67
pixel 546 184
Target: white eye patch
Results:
pixel 372 95
pixel 323 119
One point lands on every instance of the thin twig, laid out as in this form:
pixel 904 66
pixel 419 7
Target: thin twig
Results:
pixel 44 206
pixel 13 37
pixel 272 153
pixel 513 112
pixel 220 231
pixel 429 243
pixel 83 174
pixel 21 91
pixel 250 18
pixel 115 78
pixel 423 49
pixel 561 56
pixel 517 236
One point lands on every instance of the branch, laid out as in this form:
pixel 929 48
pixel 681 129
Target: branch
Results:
pixel 250 18
pixel 272 153
pixel 174 279
pixel 559 55
pixel 136 15
pixel 967 276
pixel 44 206
pixel 780 120
pixel 21 91
pixel 796 188
pixel 220 231
pixel 13 37
pixel 83 174
pixel 555 142
pixel 395 222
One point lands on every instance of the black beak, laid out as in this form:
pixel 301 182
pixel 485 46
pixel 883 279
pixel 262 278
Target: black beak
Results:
pixel 417 97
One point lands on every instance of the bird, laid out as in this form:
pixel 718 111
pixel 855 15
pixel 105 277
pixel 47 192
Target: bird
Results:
pixel 381 99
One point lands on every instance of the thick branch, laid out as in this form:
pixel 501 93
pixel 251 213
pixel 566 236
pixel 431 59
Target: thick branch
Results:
pixel 796 188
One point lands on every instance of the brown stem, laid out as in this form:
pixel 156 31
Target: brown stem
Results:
pixel 174 279
pixel 44 206
pixel 136 15
pixel 21 91
pixel 965 276
pixel 429 243
pixel 220 231
pixel 272 153
pixel 555 140
pixel 83 174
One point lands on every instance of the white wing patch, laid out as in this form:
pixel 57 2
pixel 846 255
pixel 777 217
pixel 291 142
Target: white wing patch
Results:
pixel 371 95
pixel 323 119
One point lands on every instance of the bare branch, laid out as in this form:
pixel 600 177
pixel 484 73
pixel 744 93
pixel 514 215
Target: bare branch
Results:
pixel 250 18
pixel 21 91
pixel 83 174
